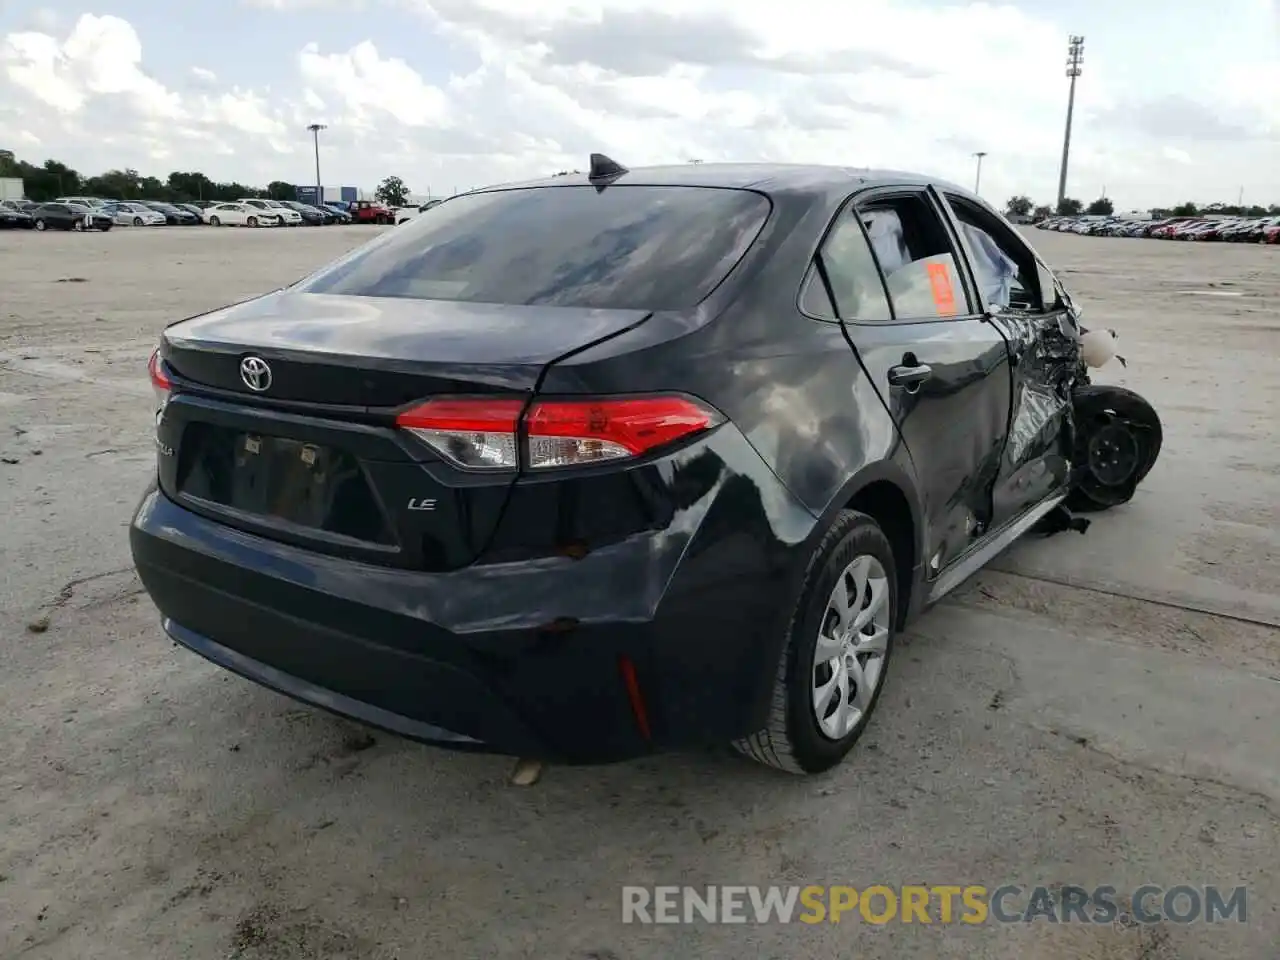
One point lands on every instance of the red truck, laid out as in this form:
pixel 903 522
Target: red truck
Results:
pixel 369 211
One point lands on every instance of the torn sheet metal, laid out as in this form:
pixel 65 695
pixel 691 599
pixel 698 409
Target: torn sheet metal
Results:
pixel 1045 355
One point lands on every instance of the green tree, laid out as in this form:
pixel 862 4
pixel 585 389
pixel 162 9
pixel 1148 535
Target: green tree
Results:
pixel 1101 207
pixel 190 186
pixel 1019 206
pixel 279 190
pixel 1043 211
pixel 392 192
pixel 1069 207
pixel 1187 209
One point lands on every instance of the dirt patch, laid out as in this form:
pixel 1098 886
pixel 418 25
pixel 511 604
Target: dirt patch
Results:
pixel 268 932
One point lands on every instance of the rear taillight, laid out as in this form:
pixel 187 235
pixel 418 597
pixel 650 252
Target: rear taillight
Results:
pixel 159 382
pixel 485 433
pixel 477 434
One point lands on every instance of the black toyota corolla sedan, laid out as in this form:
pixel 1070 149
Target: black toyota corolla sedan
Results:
pixel 605 464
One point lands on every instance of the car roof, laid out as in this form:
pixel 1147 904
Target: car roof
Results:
pixel 763 177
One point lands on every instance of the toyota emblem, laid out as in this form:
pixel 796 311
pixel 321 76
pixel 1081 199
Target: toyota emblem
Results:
pixel 255 373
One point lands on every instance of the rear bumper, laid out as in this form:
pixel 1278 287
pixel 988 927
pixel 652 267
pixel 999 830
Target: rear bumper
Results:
pixel 521 658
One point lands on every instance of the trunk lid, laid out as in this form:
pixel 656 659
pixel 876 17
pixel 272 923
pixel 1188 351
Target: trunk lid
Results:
pixel 384 352
pixel 314 457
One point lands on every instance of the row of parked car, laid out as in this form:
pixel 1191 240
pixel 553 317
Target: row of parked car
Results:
pixel 1228 229
pixel 97 213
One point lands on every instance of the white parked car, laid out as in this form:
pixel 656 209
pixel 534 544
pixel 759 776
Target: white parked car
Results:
pixel 405 214
pixel 90 202
pixel 238 215
pixel 286 216
pixel 133 215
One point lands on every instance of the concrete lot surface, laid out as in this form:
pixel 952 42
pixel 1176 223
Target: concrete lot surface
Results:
pixel 1097 709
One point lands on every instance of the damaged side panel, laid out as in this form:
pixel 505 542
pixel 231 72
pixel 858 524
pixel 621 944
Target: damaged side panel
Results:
pixel 1044 363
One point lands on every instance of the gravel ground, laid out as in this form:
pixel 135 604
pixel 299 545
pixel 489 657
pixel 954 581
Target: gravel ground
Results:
pixel 1092 709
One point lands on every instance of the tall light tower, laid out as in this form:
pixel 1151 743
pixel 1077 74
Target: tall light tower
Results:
pixel 1075 56
pixel 977 179
pixel 315 129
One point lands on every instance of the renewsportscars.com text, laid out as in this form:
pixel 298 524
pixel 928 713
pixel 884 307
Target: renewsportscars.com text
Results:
pixel 940 904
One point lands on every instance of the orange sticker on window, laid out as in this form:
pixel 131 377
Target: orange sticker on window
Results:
pixel 944 295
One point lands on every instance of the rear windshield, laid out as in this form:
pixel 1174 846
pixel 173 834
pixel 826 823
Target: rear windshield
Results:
pixel 628 247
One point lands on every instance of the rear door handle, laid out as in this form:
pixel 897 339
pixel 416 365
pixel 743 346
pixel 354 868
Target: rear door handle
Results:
pixel 910 377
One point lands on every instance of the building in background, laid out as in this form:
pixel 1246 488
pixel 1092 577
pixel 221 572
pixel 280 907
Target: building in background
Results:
pixel 306 193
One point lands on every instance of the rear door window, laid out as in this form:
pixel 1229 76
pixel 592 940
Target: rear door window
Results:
pixel 627 247
pixel 852 279
pixel 916 255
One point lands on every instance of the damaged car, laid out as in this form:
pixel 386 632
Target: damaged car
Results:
pixel 632 460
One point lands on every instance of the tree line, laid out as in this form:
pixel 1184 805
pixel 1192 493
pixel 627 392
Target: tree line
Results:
pixel 1021 206
pixel 54 179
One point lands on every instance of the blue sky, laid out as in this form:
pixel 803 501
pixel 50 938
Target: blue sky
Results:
pixel 1177 100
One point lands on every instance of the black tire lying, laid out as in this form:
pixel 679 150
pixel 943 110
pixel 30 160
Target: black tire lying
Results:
pixel 1112 422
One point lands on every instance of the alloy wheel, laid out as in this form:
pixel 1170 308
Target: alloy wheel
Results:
pixel 849 659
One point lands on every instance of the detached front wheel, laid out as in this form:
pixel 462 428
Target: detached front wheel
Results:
pixel 1118 438
pixel 836 653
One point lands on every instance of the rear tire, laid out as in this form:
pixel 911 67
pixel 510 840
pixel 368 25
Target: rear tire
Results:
pixel 805 733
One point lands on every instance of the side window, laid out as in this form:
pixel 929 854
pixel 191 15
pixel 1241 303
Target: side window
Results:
pixel 1005 267
pixel 851 271
pixel 916 257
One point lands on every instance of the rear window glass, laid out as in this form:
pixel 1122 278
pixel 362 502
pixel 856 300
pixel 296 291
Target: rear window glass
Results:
pixel 628 247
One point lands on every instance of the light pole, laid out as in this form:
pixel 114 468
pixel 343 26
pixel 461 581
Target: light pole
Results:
pixel 977 179
pixel 1075 56
pixel 315 129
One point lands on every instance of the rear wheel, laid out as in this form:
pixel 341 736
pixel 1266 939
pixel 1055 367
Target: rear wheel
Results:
pixel 77 226
pixel 836 653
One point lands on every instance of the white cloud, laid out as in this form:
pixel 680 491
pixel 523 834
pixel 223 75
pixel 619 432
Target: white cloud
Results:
pixel 364 82
pixel 101 56
pixel 901 83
